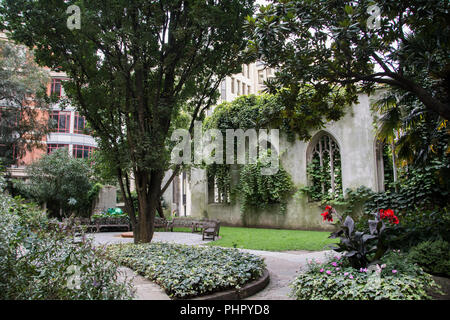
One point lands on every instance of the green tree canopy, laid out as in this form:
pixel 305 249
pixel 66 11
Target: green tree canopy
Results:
pixel 337 44
pixel 61 181
pixel 22 99
pixel 132 65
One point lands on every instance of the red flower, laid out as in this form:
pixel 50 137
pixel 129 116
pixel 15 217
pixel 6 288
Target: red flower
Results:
pixel 389 214
pixel 327 214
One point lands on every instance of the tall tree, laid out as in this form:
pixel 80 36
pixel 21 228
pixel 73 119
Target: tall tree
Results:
pixel 359 45
pixel 132 64
pixel 22 100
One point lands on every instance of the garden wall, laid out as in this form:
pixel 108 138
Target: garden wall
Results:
pixel 355 136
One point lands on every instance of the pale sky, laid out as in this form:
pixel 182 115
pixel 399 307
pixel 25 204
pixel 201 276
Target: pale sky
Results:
pixel 261 2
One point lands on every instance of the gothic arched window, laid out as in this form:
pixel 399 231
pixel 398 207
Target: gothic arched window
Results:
pixel 324 168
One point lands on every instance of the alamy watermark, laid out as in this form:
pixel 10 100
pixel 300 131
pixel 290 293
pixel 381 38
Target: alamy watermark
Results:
pixel 374 21
pixel 208 147
pixel 74 279
pixel 74 20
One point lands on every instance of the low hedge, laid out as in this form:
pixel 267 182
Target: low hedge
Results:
pixel 395 279
pixel 432 256
pixel 186 271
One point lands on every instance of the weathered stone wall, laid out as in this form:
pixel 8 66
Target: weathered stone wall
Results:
pixel 355 136
pixel 107 198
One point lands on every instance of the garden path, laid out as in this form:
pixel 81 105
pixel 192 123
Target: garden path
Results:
pixel 283 267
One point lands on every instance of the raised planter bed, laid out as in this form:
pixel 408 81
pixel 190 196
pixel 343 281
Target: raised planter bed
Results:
pixel 191 272
pixel 246 291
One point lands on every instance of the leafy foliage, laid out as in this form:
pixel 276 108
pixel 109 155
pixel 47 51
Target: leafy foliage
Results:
pixel 248 112
pixel 131 68
pixel 257 191
pixel 330 46
pixel 110 213
pixel 36 260
pixel 361 248
pixel 396 279
pixel 321 175
pixel 63 182
pixel 254 191
pixel 187 271
pixel 219 175
pixel 432 256
pixel 21 126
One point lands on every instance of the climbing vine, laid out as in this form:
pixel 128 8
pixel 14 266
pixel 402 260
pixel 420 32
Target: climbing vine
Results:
pixel 257 191
pixel 253 190
pixel 324 172
pixel 220 176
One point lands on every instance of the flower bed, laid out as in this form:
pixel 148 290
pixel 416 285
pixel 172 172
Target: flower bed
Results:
pixel 395 279
pixel 186 271
pixel 367 269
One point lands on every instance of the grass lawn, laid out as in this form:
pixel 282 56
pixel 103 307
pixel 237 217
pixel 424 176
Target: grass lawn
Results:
pixel 270 239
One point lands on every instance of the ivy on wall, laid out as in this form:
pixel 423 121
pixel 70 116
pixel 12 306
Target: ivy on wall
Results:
pixel 324 172
pixel 253 190
pixel 257 191
pixel 219 175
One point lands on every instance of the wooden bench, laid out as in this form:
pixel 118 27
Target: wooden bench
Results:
pixel 210 229
pixel 181 223
pixel 109 222
pixel 160 223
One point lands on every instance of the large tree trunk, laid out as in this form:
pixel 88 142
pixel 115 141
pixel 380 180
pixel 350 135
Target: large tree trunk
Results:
pixel 126 192
pixel 160 209
pixel 148 187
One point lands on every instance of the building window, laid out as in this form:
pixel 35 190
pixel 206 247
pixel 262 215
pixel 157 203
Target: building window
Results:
pixel 260 76
pixel 79 124
pixel 238 87
pixel 248 90
pixel 61 121
pixel 55 88
pixel 243 88
pixel 223 90
pixel 54 146
pixel 217 193
pixel 232 85
pixel 81 151
pixel 324 168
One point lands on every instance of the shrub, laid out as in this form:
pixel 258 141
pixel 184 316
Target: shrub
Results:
pixel 37 262
pixel 397 278
pixel 186 271
pixel 432 256
pixel 362 248
pixel 61 181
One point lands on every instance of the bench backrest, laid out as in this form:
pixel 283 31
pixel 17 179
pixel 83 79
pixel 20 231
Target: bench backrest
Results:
pixel 160 221
pixel 211 223
pixel 112 221
pixel 182 222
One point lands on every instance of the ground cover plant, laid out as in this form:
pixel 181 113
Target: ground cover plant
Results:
pixel 185 271
pixel 272 239
pixel 396 278
pixel 366 267
pixel 40 261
